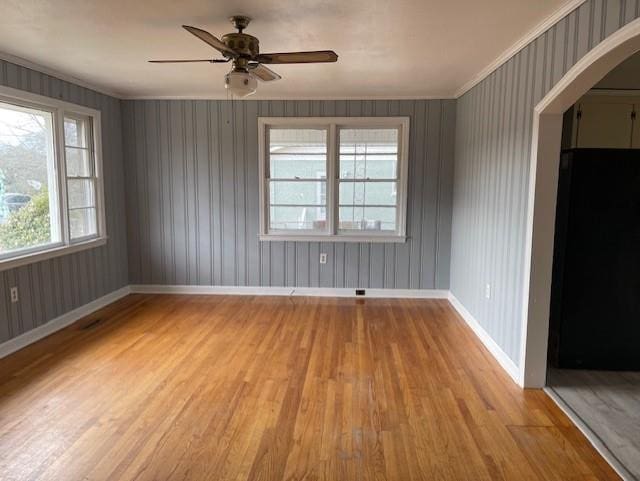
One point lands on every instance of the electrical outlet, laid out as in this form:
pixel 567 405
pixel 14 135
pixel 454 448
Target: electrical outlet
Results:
pixel 487 291
pixel 14 294
pixel 323 258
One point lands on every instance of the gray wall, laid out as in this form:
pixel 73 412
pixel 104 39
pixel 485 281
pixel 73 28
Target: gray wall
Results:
pixel 51 288
pixel 493 141
pixel 192 197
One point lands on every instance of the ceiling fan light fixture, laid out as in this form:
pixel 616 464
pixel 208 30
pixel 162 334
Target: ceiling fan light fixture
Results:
pixel 240 84
pixel 248 63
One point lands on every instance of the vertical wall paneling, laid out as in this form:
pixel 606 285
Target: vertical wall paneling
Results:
pixel 192 182
pixel 492 155
pixel 51 288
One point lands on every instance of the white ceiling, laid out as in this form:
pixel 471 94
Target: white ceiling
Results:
pixel 387 48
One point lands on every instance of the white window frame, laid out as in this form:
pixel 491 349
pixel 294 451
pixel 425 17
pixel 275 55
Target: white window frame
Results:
pixel 332 125
pixel 59 109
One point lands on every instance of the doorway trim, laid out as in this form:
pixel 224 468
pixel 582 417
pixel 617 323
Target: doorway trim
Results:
pixel 543 186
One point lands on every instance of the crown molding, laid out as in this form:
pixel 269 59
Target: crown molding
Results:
pixel 538 30
pixel 23 62
pixel 448 96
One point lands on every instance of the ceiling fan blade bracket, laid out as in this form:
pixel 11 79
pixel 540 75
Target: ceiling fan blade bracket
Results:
pixel 185 61
pixel 212 41
pixel 243 49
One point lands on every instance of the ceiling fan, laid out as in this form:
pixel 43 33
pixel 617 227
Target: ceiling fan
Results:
pixel 243 51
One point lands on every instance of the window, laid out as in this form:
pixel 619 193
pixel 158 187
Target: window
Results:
pixel 81 177
pixel 333 178
pixel 50 187
pixel 297 178
pixel 368 179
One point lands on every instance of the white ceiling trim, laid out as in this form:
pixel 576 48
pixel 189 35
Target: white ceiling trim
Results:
pixel 271 97
pixel 542 27
pixel 55 73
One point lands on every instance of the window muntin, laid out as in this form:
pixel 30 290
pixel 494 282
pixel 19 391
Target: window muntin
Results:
pixel 365 162
pixel 368 178
pixel 297 174
pixel 81 177
pixel 367 153
pixel 50 195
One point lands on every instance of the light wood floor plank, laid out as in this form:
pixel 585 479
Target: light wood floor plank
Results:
pixel 275 388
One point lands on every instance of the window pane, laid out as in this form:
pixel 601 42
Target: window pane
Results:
pixel 28 209
pixel 368 153
pixel 75 132
pixel 371 193
pixel 78 163
pixel 82 223
pixel 367 218
pixel 80 193
pixel 297 218
pixel 297 153
pixel 297 193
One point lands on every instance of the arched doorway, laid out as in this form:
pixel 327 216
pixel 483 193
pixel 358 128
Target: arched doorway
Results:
pixel 543 182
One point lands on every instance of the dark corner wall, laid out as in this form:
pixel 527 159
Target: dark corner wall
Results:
pixel 192 198
pixel 493 143
pixel 54 287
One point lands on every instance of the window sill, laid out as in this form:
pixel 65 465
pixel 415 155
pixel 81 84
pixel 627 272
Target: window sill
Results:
pixel 43 255
pixel 334 238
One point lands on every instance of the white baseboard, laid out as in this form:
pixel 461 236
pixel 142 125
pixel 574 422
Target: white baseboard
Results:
pixel 291 291
pixel 505 361
pixel 29 337
pixel 70 317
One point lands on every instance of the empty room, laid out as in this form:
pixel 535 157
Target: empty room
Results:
pixel 283 240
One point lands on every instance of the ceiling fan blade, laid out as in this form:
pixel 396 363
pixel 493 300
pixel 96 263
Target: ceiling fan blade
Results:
pixel 211 40
pixel 178 61
pixel 263 73
pixel 298 57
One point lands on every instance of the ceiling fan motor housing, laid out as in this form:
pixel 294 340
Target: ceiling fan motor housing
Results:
pixel 245 45
pixel 244 51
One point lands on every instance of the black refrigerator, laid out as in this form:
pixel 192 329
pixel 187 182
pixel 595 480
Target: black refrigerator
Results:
pixel 595 293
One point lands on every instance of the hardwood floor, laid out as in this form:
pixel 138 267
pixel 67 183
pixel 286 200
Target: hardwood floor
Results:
pixel 234 388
